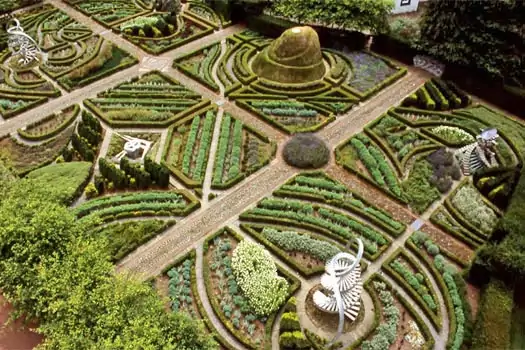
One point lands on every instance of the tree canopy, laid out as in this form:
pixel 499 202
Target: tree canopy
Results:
pixel 53 270
pixel 488 35
pixel 362 15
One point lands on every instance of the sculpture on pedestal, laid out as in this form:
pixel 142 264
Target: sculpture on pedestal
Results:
pixel 134 148
pixel 342 287
pixel 479 154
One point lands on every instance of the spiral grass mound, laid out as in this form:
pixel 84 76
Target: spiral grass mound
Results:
pixel 295 57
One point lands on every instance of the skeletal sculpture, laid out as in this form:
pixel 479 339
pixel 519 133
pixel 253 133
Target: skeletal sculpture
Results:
pixel 22 44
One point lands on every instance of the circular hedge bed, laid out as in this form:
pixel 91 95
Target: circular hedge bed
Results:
pixel 306 151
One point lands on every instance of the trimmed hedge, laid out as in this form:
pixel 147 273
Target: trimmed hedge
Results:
pixel 25 134
pixel 493 325
pixel 434 317
pixel 357 204
pixel 282 254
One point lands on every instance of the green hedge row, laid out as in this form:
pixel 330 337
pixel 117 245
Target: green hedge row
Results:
pixel 493 324
pixel 435 318
pixel 283 255
pixel 310 227
pixel 393 229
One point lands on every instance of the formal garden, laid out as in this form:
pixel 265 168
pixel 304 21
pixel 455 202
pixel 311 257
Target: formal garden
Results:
pixel 243 175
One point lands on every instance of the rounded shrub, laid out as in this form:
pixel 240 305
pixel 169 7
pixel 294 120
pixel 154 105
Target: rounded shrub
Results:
pixel 306 151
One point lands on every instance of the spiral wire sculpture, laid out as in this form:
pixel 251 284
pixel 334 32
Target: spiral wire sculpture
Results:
pixel 21 43
pixel 344 282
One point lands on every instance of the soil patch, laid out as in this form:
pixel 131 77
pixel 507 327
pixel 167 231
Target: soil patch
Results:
pixel 326 321
pixel 16 336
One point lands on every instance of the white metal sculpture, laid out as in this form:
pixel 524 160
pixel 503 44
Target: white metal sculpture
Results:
pixel 343 286
pixel 134 148
pixel 479 154
pixel 22 44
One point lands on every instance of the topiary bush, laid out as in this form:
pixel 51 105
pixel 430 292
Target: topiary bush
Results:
pixel 294 57
pixel 306 151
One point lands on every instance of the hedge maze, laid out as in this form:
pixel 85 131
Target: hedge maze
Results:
pixel 75 56
pixel 21 90
pixel 292 108
pixel 250 276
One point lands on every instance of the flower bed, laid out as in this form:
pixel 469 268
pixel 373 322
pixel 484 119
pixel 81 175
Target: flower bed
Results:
pixel 317 186
pixel 305 252
pixel 361 155
pixel 451 284
pixel 473 209
pixel 391 321
pixel 51 125
pixel 179 283
pixel 188 146
pixel 230 305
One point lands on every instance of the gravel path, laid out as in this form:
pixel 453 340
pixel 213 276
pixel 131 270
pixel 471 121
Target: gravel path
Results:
pixel 203 295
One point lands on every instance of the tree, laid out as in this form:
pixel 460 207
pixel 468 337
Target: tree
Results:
pixel 53 270
pixel 487 35
pixel 363 15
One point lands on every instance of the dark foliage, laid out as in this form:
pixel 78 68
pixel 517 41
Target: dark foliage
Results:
pixel 444 169
pixel 483 34
pixel 306 151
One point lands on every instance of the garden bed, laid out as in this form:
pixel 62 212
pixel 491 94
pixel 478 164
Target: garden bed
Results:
pixel 151 100
pixel 407 272
pixel 331 223
pixel 241 151
pixel 230 305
